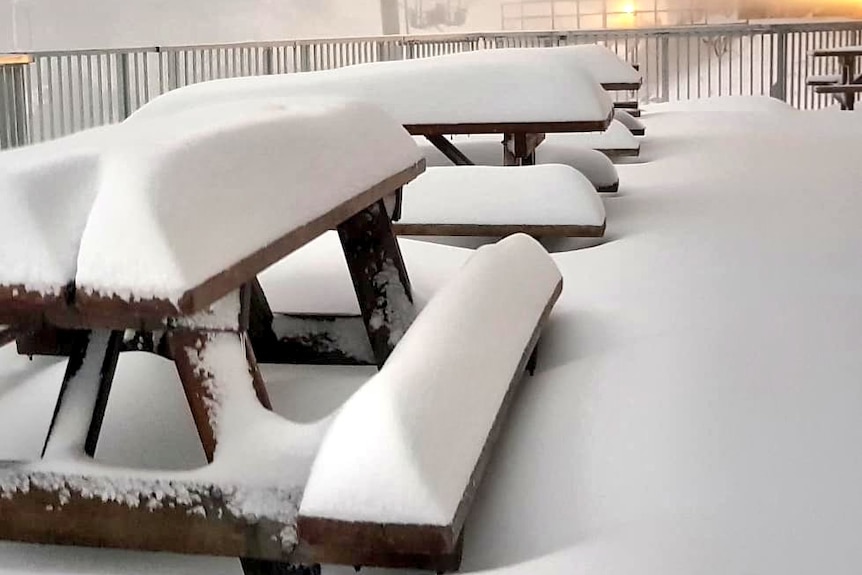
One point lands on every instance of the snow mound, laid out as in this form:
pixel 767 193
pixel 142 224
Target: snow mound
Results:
pixel 403 448
pixel 424 91
pixel 484 195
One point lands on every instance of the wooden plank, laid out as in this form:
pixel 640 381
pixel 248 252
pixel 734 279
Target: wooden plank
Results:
pixel 20 306
pixel 404 545
pixel 839 89
pixel 202 522
pixel 509 127
pixel 15 59
pixel 499 230
pixel 622 86
pixel 98 310
pixel 47 340
pixel 379 278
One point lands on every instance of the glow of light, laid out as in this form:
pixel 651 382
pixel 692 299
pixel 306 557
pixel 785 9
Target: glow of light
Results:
pixel 629 9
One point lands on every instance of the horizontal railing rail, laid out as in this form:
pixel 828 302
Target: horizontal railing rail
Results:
pixel 54 93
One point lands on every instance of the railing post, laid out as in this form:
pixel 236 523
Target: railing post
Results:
pixel 123 87
pixel 779 87
pixel 14 119
pixel 664 72
pixel 268 60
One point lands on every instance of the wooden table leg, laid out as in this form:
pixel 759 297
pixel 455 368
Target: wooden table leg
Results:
pixel 83 397
pixel 449 150
pixel 520 149
pixel 379 278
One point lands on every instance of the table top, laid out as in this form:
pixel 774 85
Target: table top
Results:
pixel 509 127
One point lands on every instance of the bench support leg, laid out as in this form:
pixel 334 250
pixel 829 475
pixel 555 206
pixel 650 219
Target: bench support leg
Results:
pixel 87 382
pixel 379 278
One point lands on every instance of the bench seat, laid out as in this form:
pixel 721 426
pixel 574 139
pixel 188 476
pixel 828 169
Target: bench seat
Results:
pixel 402 461
pixel 546 200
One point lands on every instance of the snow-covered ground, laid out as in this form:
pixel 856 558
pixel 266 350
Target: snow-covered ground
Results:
pixel 696 408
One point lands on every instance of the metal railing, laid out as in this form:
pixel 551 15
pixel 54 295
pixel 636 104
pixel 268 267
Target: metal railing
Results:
pixel 63 92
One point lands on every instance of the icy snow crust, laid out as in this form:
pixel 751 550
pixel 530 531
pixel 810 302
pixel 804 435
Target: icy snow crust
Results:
pixel 600 62
pixel 403 448
pixel 537 195
pixel 425 91
pixel 173 209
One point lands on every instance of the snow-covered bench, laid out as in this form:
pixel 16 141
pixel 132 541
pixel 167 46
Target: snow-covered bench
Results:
pixel 175 219
pixel 541 201
pixel 485 151
pixel 400 466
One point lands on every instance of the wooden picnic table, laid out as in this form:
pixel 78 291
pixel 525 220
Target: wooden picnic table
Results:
pixel 520 140
pixel 850 82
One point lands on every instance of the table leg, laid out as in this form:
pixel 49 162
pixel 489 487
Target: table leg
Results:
pixel 379 278
pixel 449 150
pixel 520 149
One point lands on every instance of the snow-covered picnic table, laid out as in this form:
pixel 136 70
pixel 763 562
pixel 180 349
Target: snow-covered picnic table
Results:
pixel 848 84
pixel 435 97
pixel 160 228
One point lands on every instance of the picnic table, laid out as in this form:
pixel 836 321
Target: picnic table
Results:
pixel 846 85
pixel 165 226
pixel 436 97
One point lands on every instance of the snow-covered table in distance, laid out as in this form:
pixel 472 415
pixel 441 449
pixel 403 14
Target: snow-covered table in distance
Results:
pixel 435 97
pixel 849 83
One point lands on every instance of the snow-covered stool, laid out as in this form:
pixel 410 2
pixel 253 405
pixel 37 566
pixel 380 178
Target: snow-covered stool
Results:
pixel 542 201
pixel 164 225
pixel 399 468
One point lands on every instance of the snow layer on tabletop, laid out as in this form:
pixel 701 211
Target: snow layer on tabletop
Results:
pixel 315 278
pixel 46 191
pixel 537 195
pixel 486 150
pixel 183 198
pixel 424 91
pixel 403 448
pixel 616 137
pixel 600 62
